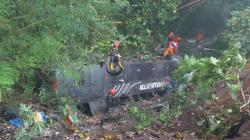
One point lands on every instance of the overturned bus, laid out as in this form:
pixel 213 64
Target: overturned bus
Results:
pixel 96 85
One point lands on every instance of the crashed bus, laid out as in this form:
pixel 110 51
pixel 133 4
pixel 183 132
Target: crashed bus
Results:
pixel 97 85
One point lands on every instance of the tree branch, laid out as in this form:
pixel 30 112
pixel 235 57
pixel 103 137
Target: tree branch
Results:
pixel 34 23
pixel 189 4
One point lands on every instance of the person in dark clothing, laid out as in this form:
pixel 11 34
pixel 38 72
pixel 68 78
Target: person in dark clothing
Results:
pixel 199 38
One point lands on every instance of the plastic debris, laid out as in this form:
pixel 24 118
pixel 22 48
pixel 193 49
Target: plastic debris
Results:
pixel 189 76
pixel 171 86
pixel 16 122
pixel 40 117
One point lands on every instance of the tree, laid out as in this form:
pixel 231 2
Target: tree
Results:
pixel 145 21
pixel 238 29
pixel 45 34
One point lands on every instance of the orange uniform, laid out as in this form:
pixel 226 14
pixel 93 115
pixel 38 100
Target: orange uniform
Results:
pixel 172 47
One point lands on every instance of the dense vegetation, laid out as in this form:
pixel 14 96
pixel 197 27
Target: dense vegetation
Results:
pixel 197 78
pixel 44 36
pixel 50 35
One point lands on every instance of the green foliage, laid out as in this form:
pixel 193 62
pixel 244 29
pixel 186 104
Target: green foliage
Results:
pixel 29 127
pixel 238 29
pixel 174 108
pixel 220 122
pixel 8 76
pixel 203 73
pixel 144 24
pixel 50 35
pixel 47 98
pixel 26 113
pixel 166 116
pixel 143 118
pixel 68 107
pixel 44 35
pixel 35 130
pixel 211 70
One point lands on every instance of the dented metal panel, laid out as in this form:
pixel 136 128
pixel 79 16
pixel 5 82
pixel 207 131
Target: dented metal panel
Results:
pixel 95 82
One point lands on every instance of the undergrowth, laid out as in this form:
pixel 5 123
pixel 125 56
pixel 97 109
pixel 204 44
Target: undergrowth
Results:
pixel 29 128
pixel 198 76
pixel 143 118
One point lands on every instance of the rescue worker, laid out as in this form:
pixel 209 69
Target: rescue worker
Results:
pixel 172 47
pixel 115 56
pixel 161 47
pixel 170 37
pixel 199 38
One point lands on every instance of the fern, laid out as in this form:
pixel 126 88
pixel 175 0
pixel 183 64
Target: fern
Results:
pixel 8 76
pixel 29 128
pixel 4 12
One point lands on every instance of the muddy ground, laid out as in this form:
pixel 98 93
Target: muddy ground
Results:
pixel 116 124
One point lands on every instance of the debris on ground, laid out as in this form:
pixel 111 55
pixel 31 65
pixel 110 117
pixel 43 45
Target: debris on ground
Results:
pixel 16 122
pixel 40 117
pixel 118 125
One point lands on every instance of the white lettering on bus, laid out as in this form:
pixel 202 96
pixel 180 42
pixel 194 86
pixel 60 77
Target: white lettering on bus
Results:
pixel 152 85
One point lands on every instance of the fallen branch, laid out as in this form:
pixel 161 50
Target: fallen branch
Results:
pixel 246 102
pixel 189 4
pixel 243 95
pixel 39 106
